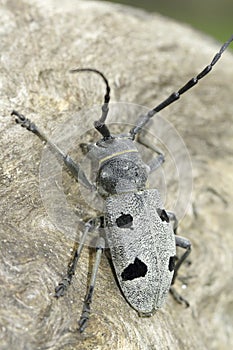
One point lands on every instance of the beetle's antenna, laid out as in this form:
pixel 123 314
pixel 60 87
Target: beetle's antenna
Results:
pixel 100 124
pixel 143 120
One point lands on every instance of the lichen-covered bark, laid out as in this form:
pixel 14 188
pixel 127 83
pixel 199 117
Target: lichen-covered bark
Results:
pixel 145 57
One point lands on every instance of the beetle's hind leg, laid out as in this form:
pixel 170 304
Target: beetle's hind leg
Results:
pixel 88 298
pixel 66 281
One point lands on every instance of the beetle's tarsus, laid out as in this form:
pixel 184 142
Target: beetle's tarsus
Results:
pixel 23 121
pixel 84 318
pixel 178 298
pixel 62 286
pixel 17 114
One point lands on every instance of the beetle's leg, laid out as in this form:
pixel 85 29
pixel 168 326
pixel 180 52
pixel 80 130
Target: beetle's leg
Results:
pixel 85 147
pixel 88 298
pixel 182 243
pixel 186 244
pixel 75 168
pixel 172 217
pixel 62 286
pixel 178 297
pixel 156 162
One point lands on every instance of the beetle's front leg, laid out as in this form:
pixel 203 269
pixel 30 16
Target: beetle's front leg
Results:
pixel 156 162
pixel 74 168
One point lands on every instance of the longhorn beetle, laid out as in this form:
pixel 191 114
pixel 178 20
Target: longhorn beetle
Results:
pixel 139 232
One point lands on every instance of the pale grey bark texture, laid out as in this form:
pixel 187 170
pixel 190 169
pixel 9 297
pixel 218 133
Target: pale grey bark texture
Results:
pixel 145 57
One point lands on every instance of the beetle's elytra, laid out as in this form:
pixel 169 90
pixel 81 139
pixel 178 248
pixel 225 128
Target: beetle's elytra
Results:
pixel 141 234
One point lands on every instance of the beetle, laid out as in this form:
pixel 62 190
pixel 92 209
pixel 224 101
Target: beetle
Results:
pixel 140 233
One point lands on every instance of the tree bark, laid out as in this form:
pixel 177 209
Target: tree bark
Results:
pixel 145 57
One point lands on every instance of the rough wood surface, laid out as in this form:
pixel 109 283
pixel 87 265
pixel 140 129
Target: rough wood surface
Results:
pixel 146 57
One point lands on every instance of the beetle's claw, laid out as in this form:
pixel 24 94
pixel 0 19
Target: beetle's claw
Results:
pixel 61 288
pixel 178 298
pixel 20 118
pixel 59 291
pixel 23 121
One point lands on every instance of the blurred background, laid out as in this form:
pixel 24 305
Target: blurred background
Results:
pixel 214 17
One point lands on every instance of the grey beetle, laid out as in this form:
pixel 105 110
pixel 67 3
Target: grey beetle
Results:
pixel 141 235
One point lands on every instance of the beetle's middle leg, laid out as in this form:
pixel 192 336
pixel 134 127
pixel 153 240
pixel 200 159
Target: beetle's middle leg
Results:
pixel 156 162
pixel 74 168
pixel 182 243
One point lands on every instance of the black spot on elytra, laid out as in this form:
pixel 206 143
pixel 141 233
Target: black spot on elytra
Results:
pixel 124 221
pixel 163 215
pixel 135 270
pixel 172 262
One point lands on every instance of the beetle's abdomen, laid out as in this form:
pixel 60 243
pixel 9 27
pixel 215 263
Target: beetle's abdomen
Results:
pixel 142 246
